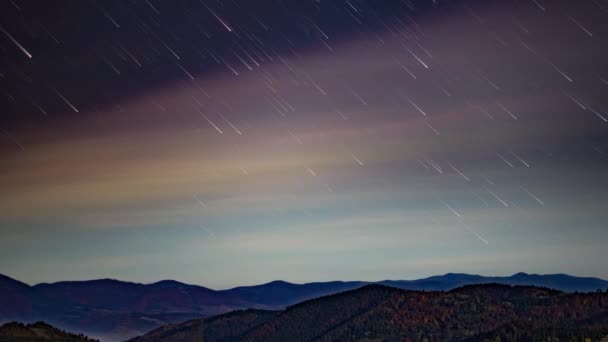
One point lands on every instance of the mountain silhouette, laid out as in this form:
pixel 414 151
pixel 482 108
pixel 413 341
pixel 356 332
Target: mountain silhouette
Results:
pixel 281 293
pixel 562 282
pixel 111 309
pixel 37 332
pixel 116 310
pixel 489 312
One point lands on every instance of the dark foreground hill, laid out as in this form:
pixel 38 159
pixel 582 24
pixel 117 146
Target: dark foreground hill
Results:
pixel 37 332
pixel 116 310
pixel 488 312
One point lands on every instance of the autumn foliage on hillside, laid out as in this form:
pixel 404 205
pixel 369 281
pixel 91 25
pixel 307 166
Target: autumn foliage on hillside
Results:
pixel 489 312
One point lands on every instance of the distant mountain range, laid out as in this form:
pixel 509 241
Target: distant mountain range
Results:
pixel 489 312
pixel 115 310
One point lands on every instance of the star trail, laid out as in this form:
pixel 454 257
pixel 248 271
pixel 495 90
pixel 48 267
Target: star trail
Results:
pixel 236 142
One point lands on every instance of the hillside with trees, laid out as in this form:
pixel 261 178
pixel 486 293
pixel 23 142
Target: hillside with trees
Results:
pixel 489 312
pixel 38 332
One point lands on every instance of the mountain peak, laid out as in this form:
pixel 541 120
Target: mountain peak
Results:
pixel 520 274
pixel 279 283
pixel 174 284
pixel 7 282
pixel 167 283
pixel 458 276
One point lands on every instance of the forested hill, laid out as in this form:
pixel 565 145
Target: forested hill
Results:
pixel 381 313
pixel 37 332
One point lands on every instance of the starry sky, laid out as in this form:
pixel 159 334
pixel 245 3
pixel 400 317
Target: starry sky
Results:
pixel 228 143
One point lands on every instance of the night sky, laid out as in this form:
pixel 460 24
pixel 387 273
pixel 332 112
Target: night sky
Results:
pixel 227 143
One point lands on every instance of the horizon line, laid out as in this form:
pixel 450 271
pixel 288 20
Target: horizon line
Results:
pixel 296 283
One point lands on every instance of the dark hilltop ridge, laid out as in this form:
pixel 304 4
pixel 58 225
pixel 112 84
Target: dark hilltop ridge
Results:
pixel 39 331
pixel 115 310
pixel 489 312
